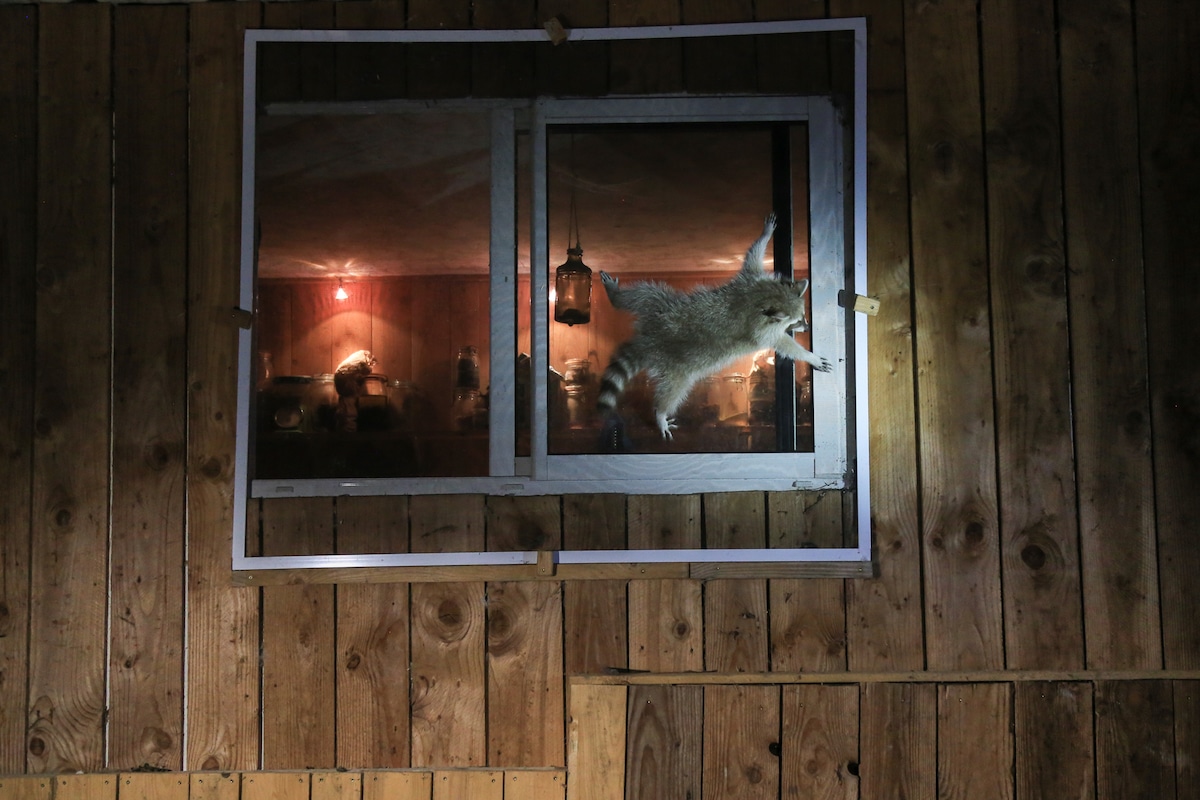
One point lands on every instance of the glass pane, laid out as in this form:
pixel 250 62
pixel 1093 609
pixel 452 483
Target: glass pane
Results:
pixel 372 325
pixel 677 205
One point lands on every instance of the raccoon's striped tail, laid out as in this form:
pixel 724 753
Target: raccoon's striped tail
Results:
pixel 620 369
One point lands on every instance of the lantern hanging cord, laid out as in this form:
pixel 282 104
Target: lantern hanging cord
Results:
pixel 573 217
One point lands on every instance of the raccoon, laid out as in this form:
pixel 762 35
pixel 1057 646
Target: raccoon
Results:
pixel 680 337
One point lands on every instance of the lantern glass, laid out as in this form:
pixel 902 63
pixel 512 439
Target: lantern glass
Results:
pixel 573 290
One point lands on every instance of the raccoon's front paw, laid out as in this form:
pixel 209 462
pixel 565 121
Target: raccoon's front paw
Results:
pixel 610 283
pixel 665 426
pixel 769 224
pixel 823 365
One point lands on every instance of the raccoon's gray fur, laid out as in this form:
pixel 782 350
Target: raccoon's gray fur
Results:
pixel 680 337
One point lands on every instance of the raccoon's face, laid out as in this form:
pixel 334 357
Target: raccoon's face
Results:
pixel 789 311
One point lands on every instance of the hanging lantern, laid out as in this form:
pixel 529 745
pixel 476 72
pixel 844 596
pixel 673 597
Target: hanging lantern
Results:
pixel 573 289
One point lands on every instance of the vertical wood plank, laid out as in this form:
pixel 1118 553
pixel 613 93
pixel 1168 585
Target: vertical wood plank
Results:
pixel 398 786
pixel 808 616
pixel 1055 755
pixel 449 721
pixel 85 787
pixel 373 722
pixel 1187 734
pixel 370 71
pixel 898 747
pixel 222 621
pixel 18 250
pixel 1111 410
pixel 1042 606
pixel 524 523
pixel 149 387
pixel 885 629
pixel 298 660
pixel 525 674
pixel 664 743
pixel 581 69
pixel 71 473
pixel 535 785
pixel 153 785
pixel 596 743
pixel 645 67
pixel 214 786
pixel 29 787
pixel 1135 749
pixel 335 786
pixel 735 611
pixel 741 724
pixel 975 741
pixel 819 749
pixel 666 623
pixel 275 786
pixel 455 784
pixel 1168 72
pixel 595 613
pixel 957 448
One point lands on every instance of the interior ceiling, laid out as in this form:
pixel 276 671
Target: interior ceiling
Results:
pixel 354 196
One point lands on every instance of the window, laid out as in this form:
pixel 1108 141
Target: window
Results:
pixel 404 220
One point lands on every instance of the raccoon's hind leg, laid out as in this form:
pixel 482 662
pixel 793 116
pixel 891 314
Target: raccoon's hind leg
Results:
pixel 669 394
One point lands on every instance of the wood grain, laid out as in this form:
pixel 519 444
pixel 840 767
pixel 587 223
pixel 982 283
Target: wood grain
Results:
pixel 741 723
pixel 214 786
pixel 595 613
pixel 398 786
pixel 335 786
pixel 449 722
pixel 596 743
pixel 735 611
pixel 71 475
pixel 149 388
pixel 275 786
pixel 645 67
pixel 819 748
pixel 1168 71
pixel 222 621
pixel 525 674
pixel 1112 434
pixel 370 71
pixel 1055 753
pixel 1187 733
pixel 975 741
pixel 455 784
pixel 885 620
pixel 953 340
pixel 666 628
pixel 535 785
pixel 18 247
pixel 85 787
pixel 1043 614
pixel 808 616
pixel 153 786
pixel 1135 750
pixel 663 745
pixel 373 640
pixel 899 741
pixel 298 666
pixel 29 787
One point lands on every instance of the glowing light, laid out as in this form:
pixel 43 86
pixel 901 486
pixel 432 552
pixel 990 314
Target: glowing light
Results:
pixel 340 294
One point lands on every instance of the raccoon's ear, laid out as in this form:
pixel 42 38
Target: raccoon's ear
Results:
pixel 802 286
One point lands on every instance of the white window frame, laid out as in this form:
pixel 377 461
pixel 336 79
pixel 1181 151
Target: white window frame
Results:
pixel 840 460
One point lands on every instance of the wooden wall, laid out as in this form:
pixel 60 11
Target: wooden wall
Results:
pixel 1035 440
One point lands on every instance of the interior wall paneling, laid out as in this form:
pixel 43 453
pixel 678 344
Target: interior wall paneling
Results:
pixel 819 746
pixel 1135 739
pixel 1168 72
pixel 664 758
pixel 1107 298
pixel 955 414
pixel 1043 616
pixel 885 617
pixel 18 252
pixel 741 726
pixel 975 740
pixel 222 621
pixel 899 731
pixel 149 414
pixel 71 466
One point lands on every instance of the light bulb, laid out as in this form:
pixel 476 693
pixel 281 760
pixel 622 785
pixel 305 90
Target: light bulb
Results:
pixel 340 294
